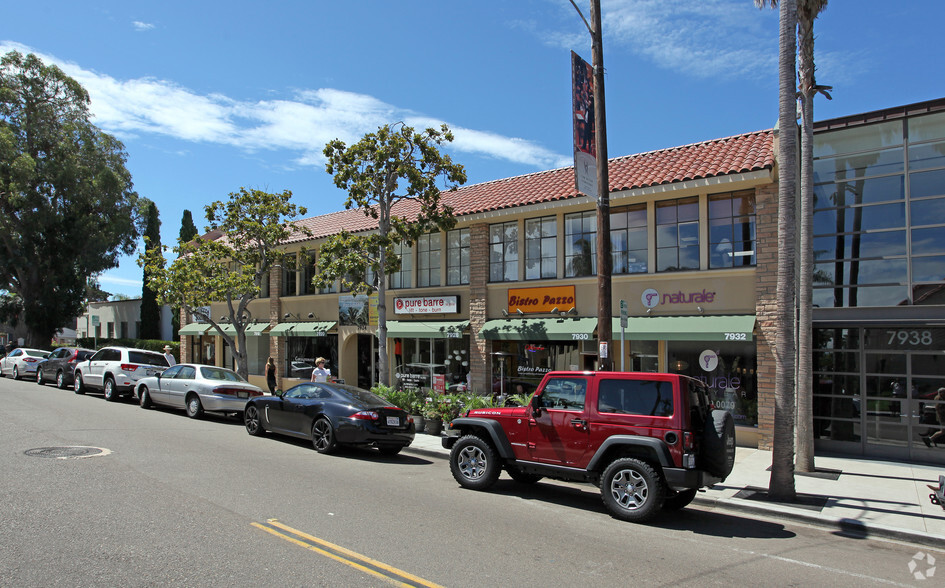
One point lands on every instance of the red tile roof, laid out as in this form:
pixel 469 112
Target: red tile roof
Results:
pixel 719 157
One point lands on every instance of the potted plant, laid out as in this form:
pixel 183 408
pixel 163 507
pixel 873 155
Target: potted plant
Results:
pixel 417 400
pixel 433 416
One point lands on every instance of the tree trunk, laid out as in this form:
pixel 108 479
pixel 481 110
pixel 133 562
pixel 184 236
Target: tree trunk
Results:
pixel 805 399
pixel 781 484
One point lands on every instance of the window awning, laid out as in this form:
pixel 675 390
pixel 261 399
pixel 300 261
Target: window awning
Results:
pixel 194 329
pixel 309 329
pixel 256 328
pixel 226 328
pixel 540 329
pixel 687 328
pixel 426 329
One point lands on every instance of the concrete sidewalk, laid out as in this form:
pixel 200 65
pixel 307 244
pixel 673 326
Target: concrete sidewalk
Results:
pixel 859 497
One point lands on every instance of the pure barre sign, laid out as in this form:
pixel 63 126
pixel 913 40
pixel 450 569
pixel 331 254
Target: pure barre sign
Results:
pixel 541 299
pixel 426 305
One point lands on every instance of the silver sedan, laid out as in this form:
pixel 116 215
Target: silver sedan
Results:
pixel 21 362
pixel 197 388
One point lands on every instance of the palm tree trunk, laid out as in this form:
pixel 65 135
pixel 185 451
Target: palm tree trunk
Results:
pixel 781 484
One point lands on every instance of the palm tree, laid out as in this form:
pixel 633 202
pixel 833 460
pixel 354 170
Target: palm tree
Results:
pixel 807 11
pixel 781 484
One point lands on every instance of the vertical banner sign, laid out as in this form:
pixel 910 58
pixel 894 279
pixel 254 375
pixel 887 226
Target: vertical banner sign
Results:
pixel 585 150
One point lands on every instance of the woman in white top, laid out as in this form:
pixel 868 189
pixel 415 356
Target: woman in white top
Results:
pixel 320 374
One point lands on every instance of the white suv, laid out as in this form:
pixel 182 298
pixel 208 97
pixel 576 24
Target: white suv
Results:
pixel 116 370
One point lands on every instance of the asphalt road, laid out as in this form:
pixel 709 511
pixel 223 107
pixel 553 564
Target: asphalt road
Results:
pixel 178 502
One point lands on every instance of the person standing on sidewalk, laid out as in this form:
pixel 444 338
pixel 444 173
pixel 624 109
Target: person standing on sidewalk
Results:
pixel 320 374
pixel 271 375
pixel 169 356
pixel 940 416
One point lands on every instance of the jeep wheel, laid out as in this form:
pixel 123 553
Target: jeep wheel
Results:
pixel 718 444
pixel 520 476
pixel 473 463
pixel 678 500
pixel 631 490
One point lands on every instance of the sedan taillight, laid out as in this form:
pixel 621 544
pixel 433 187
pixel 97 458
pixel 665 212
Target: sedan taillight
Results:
pixel 236 391
pixel 30 360
pixel 366 415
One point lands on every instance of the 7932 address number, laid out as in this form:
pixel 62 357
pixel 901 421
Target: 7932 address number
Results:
pixel 736 336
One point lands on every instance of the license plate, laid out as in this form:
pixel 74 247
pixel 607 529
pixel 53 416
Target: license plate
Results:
pixel 393 421
pixel 243 394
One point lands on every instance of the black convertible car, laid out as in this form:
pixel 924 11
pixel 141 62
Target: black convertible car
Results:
pixel 331 415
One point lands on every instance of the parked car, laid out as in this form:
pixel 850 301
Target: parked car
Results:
pixel 330 415
pixel 197 388
pixel 21 361
pixel 116 370
pixel 59 367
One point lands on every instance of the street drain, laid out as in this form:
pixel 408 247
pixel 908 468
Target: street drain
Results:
pixel 71 452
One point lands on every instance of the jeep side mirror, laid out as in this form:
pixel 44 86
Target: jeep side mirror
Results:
pixel 535 404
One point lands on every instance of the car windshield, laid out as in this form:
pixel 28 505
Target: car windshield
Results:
pixel 147 358
pixel 216 373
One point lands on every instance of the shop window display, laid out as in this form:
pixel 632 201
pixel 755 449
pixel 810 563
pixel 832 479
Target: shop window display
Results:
pixel 441 365
pixel 727 369
pixel 301 353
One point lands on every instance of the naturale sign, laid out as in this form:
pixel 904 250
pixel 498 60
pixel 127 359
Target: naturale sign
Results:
pixel 541 299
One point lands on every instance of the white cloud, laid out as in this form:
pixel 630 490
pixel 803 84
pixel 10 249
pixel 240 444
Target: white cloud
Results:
pixel 699 38
pixel 302 123
pixel 142 26
pixel 112 279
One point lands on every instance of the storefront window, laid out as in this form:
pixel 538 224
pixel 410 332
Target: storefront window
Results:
pixel 541 245
pixel 301 353
pixel 401 279
pixel 628 239
pixel 503 252
pixel 437 364
pixel 732 229
pixel 428 260
pixel 289 276
pixel 726 368
pixel 518 366
pixel 580 244
pixel 457 257
pixel 677 235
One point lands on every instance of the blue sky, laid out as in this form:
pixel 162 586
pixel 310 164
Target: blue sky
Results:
pixel 211 96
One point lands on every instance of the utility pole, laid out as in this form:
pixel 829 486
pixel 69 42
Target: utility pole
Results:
pixel 605 329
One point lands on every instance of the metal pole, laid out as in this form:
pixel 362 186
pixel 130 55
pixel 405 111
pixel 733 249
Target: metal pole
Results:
pixel 604 262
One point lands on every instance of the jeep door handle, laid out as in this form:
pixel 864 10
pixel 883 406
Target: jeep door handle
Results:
pixel 579 424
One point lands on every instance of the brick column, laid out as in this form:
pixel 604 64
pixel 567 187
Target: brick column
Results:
pixel 276 346
pixel 766 307
pixel 479 364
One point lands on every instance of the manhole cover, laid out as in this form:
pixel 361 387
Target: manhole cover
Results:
pixel 73 452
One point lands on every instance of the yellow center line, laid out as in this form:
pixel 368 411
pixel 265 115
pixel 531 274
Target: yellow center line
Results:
pixel 343 555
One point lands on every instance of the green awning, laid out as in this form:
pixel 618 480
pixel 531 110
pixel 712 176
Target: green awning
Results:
pixel 540 329
pixel 194 329
pixel 309 329
pixel 687 328
pixel 226 328
pixel 256 328
pixel 426 329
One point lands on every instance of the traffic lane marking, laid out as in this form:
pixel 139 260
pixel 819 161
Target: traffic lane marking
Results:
pixel 345 556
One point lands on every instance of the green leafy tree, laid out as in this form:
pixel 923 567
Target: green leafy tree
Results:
pixel 150 309
pixel 253 226
pixel 391 176
pixel 67 207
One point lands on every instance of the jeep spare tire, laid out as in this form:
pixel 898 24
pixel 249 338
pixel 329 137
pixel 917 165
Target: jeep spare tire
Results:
pixel 718 444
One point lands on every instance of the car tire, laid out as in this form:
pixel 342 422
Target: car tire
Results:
pixel 718 444
pixel 390 449
pixel 194 408
pixel 253 421
pixel 521 477
pixel 78 386
pixel 16 373
pixel 144 397
pixel 61 380
pixel 678 500
pixel 474 463
pixel 631 490
pixel 39 377
pixel 323 436
pixel 111 394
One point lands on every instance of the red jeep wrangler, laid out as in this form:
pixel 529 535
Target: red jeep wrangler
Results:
pixel 650 441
